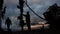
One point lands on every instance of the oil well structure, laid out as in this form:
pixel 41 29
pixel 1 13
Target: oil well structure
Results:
pixel 52 16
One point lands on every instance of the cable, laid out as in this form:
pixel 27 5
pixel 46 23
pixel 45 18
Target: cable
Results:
pixel 33 10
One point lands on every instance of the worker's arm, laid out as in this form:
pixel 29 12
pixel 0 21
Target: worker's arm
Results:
pixel 24 15
pixel 11 22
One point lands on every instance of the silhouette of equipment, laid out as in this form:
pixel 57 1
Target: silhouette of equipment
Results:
pixel 1 7
pixel 52 16
pixel 1 4
pixel 3 12
pixel 20 17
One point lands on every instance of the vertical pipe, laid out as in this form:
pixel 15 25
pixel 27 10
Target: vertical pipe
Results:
pixel 1 5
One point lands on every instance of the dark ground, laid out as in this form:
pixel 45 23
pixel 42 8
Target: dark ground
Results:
pixel 37 31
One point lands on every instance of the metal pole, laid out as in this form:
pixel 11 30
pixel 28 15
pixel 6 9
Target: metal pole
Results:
pixel 1 5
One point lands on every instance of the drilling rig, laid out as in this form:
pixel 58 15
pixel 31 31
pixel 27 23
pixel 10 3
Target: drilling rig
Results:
pixel 52 16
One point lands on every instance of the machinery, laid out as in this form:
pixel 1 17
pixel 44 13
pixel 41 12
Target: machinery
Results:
pixel 52 16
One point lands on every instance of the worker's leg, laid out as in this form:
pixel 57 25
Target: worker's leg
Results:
pixel 8 27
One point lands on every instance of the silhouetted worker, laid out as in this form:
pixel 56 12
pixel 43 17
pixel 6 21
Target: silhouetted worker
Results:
pixel 8 23
pixel 28 20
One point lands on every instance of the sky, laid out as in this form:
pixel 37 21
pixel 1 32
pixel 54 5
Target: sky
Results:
pixel 39 6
